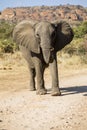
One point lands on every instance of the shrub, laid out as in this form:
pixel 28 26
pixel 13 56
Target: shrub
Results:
pixel 81 30
pixel 6 42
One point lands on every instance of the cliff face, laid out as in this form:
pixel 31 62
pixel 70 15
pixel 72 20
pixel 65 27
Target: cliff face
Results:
pixel 67 12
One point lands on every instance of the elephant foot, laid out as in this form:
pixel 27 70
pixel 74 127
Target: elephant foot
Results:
pixel 56 92
pixel 41 92
pixel 32 88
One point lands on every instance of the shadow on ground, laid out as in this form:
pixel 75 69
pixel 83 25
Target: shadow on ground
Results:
pixel 74 90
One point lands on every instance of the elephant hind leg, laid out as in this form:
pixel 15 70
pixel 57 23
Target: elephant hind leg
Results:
pixel 32 79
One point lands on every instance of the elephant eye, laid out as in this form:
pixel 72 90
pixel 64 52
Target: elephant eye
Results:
pixel 37 35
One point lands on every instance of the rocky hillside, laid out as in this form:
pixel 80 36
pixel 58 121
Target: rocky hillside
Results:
pixel 66 12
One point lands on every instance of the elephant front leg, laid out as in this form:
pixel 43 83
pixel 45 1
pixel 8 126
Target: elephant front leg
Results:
pixel 39 75
pixel 40 81
pixel 55 81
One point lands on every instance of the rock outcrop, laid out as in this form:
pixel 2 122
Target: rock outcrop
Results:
pixel 66 12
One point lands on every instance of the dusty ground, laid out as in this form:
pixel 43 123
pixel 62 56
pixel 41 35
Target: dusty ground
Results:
pixel 21 109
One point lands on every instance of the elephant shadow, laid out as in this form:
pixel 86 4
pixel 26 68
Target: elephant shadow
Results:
pixel 73 90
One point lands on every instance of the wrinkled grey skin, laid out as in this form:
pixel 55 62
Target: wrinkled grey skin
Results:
pixel 39 42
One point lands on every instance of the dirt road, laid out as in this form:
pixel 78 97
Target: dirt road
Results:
pixel 21 109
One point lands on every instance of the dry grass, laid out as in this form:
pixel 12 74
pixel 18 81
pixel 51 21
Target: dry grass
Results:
pixel 10 61
pixel 16 61
pixel 76 61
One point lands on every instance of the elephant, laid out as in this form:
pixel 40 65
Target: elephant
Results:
pixel 39 42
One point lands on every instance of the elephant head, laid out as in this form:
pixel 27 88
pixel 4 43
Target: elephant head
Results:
pixel 43 36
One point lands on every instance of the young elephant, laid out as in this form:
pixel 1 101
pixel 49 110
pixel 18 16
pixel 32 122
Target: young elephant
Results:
pixel 39 43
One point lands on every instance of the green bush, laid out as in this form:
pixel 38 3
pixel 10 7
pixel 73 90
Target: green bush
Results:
pixel 81 30
pixel 7 46
pixel 6 42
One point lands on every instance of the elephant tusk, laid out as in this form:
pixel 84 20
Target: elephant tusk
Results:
pixel 52 49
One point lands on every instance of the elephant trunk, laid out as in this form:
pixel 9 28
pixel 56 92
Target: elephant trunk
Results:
pixel 46 48
pixel 47 54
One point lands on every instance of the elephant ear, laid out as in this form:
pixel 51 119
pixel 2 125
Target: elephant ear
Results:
pixel 64 35
pixel 24 35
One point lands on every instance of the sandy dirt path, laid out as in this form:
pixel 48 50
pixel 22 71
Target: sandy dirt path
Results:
pixel 21 109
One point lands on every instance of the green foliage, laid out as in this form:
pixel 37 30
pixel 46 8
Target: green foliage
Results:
pixel 7 46
pixel 6 43
pixel 81 30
